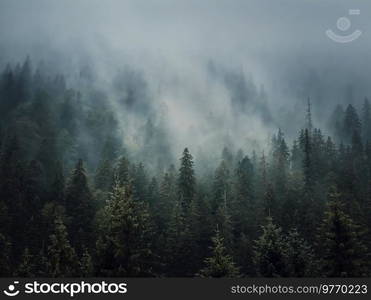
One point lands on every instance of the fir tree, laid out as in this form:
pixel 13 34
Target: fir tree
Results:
pixel 122 171
pixel 27 267
pixel 243 204
pixel 270 257
pixel 61 256
pixel 179 244
pixel 301 259
pixel 5 256
pixel 104 175
pixel 343 253
pixel 79 208
pixel 86 265
pixel 124 245
pixel 221 186
pixel 186 180
pixel 366 121
pixel 220 264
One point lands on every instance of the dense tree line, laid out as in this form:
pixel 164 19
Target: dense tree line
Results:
pixel 297 210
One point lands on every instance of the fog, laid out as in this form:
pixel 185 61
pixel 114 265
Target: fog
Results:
pixel 210 73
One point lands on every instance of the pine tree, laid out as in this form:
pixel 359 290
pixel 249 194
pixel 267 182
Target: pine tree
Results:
pixel 57 190
pixel 269 255
pixel 179 244
pixel 61 256
pixel 342 250
pixel 24 80
pixel 243 205
pixel 221 186
pixel 262 178
pixel 5 257
pixel 244 255
pixel 351 123
pixel 224 222
pixel 307 164
pixel 80 209
pixel 201 228
pixel 166 203
pixel 104 175
pixel 122 171
pixel 8 92
pixel 301 259
pixel 12 194
pixel 366 120
pixel 280 163
pixel 86 265
pixel 220 264
pixel 124 244
pixel 27 267
pixel 140 183
pixel 296 157
pixel 186 180
pixel 270 202
pixel 309 123
pixel 153 192
pixel 336 123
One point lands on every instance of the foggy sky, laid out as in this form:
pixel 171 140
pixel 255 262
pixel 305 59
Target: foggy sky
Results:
pixel 280 47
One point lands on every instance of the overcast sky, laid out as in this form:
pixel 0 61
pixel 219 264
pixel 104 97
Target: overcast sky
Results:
pixel 280 44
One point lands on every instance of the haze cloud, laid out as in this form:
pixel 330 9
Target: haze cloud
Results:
pixel 209 73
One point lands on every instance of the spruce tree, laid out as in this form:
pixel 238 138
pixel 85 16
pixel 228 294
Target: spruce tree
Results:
pixel 104 175
pixel 122 171
pixel 80 209
pixel 221 186
pixel 220 264
pixel 301 260
pixel 269 256
pixel 340 242
pixel 186 180
pixel 86 265
pixel 351 123
pixel 61 256
pixel 26 267
pixel 124 244
pixel 366 121
pixel 5 257
pixel 179 244
pixel 243 204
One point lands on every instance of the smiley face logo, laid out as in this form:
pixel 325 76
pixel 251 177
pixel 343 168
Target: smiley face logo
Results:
pixel 11 292
pixel 343 24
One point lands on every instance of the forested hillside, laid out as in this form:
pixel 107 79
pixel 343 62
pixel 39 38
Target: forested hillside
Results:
pixel 75 201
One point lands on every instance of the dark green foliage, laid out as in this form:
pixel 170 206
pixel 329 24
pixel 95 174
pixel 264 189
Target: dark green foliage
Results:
pixel 124 244
pixel 80 209
pixel 5 246
pixel 301 260
pixel 86 265
pixel 180 245
pixel 366 121
pixel 342 250
pixel 62 259
pixel 104 176
pixel 270 256
pixel 122 171
pixel 127 213
pixel 27 267
pixel 243 204
pixel 220 264
pixel 186 180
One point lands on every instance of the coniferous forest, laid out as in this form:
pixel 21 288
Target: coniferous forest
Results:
pixel 76 199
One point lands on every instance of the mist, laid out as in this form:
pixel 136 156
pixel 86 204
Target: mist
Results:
pixel 209 74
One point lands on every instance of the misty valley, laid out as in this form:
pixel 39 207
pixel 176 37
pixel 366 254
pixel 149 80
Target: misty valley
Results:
pixel 97 178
